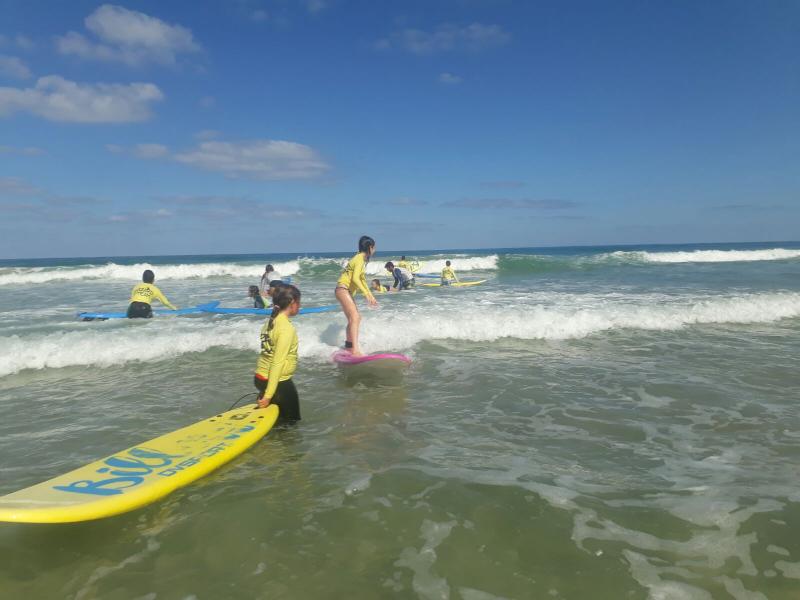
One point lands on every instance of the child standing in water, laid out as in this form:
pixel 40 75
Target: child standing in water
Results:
pixel 278 359
pixel 354 279
pixel 143 294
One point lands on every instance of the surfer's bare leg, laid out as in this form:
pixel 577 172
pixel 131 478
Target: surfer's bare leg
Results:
pixel 353 319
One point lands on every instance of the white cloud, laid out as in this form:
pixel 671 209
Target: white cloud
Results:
pixel 257 159
pixel 20 41
pixel 115 148
pixel 26 151
pixel 450 79
pixel 128 36
pixel 13 186
pixel 315 6
pixel 150 150
pixel 447 38
pixel 11 66
pixel 58 99
pixel 207 134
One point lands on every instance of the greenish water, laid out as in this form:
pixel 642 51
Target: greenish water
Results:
pixel 612 427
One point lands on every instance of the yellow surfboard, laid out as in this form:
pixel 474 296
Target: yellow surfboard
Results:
pixel 459 284
pixel 142 474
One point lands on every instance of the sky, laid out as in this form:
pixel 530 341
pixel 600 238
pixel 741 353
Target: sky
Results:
pixel 266 126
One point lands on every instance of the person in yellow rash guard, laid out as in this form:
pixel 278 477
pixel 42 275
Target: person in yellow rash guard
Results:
pixel 278 359
pixel 404 264
pixel 143 295
pixel 377 286
pixel 448 275
pixel 353 279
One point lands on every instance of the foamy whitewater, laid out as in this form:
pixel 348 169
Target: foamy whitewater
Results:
pixel 588 423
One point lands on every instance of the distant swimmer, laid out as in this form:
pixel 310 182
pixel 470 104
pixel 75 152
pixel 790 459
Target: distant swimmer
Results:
pixel 277 361
pixel 403 278
pixel 403 263
pixel 377 286
pixel 143 294
pixel 448 275
pixel 255 294
pixel 354 279
pixel 270 274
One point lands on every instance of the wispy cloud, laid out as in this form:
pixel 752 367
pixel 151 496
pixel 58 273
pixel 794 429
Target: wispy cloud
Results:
pixel 11 66
pixel 450 79
pixel 404 201
pixel 24 151
pixel 446 38
pixel 14 186
pixel 58 99
pixel 17 41
pixel 221 208
pixel 128 36
pixel 150 150
pixel 256 159
pixel 511 204
pixel 502 184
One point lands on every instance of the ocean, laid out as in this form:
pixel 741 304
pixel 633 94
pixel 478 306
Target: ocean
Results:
pixel 590 423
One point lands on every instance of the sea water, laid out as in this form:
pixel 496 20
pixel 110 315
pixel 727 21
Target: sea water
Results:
pixel 599 423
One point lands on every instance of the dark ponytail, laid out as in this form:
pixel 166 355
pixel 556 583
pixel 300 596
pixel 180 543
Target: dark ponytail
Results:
pixel 283 296
pixel 365 244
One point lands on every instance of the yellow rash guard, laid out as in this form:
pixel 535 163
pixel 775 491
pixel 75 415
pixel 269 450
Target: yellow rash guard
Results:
pixel 354 278
pixel 278 359
pixel 449 274
pixel 147 292
pixel 403 264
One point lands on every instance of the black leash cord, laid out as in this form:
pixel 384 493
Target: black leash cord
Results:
pixel 242 398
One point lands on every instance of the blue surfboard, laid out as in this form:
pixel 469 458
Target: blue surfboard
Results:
pixel 215 310
pixel 102 316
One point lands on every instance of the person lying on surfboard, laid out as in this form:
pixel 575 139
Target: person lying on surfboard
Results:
pixel 448 275
pixel 255 293
pixel 377 286
pixel 354 279
pixel 278 359
pixel 143 294
pixel 403 279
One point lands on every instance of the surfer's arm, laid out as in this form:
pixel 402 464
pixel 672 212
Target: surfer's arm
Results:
pixel 163 299
pixel 360 279
pixel 279 354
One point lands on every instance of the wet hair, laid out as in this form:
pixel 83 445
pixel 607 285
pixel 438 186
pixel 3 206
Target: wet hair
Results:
pixel 365 244
pixel 389 266
pixel 275 283
pixel 283 297
pixel 252 291
pixel 148 276
pixel 378 281
pixel 447 263
pixel 269 269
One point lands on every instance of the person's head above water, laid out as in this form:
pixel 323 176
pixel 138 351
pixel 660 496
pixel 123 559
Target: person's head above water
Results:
pixel 366 245
pixel 269 269
pixel 148 276
pixel 447 263
pixel 376 283
pixel 389 266
pixel 252 291
pixel 403 257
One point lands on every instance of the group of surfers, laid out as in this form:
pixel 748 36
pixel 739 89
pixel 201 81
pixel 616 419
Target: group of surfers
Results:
pixel 277 360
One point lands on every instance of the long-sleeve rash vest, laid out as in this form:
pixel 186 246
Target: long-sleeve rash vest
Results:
pixel 278 359
pixel 147 292
pixel 354 277
pixel 448 274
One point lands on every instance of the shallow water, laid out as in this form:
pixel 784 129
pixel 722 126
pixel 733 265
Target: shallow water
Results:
pixel 591 423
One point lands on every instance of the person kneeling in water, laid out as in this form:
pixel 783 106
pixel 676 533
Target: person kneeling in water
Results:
pixel 403 279
pixel 278 359
pixel 255 293
pixel 143 294
pixel 376 286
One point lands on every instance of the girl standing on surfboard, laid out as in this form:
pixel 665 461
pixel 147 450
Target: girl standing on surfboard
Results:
pixel 278 359
pixel 353 279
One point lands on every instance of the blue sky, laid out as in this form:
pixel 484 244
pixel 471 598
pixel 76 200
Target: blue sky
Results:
pixel 266 126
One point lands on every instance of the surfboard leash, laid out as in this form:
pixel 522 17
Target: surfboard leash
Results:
pixel 242 398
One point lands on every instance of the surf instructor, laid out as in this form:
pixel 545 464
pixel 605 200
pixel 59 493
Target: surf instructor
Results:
pixel 143 294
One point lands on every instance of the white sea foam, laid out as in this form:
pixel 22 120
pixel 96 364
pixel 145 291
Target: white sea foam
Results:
pixel 23 275
pixel 435 265
pixel 106 344
pixel 709 255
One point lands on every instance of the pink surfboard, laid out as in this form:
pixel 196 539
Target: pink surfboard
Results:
pixel 383 359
